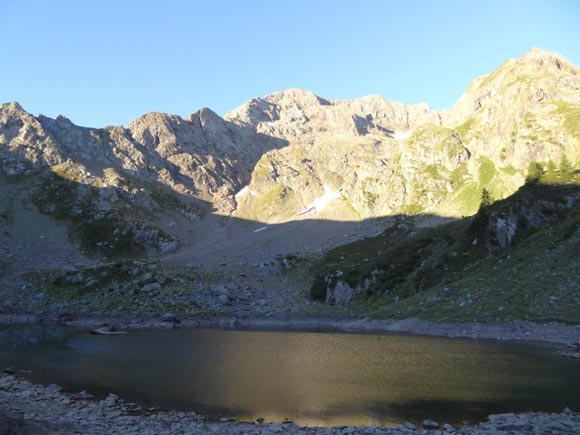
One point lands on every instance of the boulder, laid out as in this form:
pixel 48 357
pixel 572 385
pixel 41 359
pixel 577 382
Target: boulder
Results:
pixel 170 318
pixel 107 330
pixel 430 424
pixel 64 317
pixel 110 400
pixel 151 287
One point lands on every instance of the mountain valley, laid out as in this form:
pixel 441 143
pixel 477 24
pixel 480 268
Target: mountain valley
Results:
pixel 293 205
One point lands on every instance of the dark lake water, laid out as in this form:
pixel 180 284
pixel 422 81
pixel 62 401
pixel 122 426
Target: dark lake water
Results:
pixel 312 378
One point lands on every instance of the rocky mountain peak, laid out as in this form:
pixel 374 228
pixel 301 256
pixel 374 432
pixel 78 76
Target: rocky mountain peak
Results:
pixel 207 119
pixel 301 115
pixel 520 84
pixel 547 58
pixel 253 112
pixel 11 107
pixel 296 97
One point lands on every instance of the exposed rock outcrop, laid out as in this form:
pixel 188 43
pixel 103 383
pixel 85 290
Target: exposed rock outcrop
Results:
pixel 288 148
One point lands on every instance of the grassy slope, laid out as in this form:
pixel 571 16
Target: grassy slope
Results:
pixel 535 280
pixel 438 273
pixel 105 227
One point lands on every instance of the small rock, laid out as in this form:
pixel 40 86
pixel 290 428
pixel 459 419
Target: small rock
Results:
pixel 64 317
pixel 53 388
pixel 8 371
pixel 107 330
pixel 151 287
pixel 408 425
pixel 430 424
pixel 448 428
pixel 83 395
pixel 110 400
pixel 170 318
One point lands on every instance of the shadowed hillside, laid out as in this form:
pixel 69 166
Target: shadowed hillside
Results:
pixel 516 258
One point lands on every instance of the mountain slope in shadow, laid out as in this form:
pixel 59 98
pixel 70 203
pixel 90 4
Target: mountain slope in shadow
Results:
pixel 515 259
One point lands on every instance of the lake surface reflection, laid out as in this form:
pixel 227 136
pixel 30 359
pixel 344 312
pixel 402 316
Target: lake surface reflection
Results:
pixel 312 378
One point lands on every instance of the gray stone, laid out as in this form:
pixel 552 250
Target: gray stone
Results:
pixel 170 318
pixel 53 388
pixel 430 424
pixel 151 287
pixel 110 400
pixel 83 395
pixel 448 428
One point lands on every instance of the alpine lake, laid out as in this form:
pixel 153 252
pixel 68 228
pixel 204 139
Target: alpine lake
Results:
pixel 312 377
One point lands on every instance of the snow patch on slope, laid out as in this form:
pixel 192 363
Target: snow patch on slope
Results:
pixel 397 135
pixel 322 201
pixel 243 192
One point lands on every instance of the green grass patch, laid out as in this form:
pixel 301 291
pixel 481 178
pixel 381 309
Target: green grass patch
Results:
pixel 464 129
pixel 467 199
pixel 510 170
pixel 571 116
pixel 412 209
pixel 486 171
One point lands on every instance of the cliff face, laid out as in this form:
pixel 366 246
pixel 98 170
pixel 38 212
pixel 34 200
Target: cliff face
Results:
pixel 355 147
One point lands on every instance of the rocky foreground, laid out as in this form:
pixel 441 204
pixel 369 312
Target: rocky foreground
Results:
pixel 35 409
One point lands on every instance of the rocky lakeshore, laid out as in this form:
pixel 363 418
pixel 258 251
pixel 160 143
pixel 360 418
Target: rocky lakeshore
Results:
pixel 553 332
pixel 30 408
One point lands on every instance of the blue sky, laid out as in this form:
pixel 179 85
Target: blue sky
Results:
pixel 106 62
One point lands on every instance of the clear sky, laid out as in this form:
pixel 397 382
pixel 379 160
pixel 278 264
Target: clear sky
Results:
pixel 105 62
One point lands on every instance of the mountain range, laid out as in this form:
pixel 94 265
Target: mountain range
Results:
pixel 277 182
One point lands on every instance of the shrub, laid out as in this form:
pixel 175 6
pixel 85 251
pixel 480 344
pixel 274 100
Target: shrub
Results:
pixel 535 172
pixel 486 198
